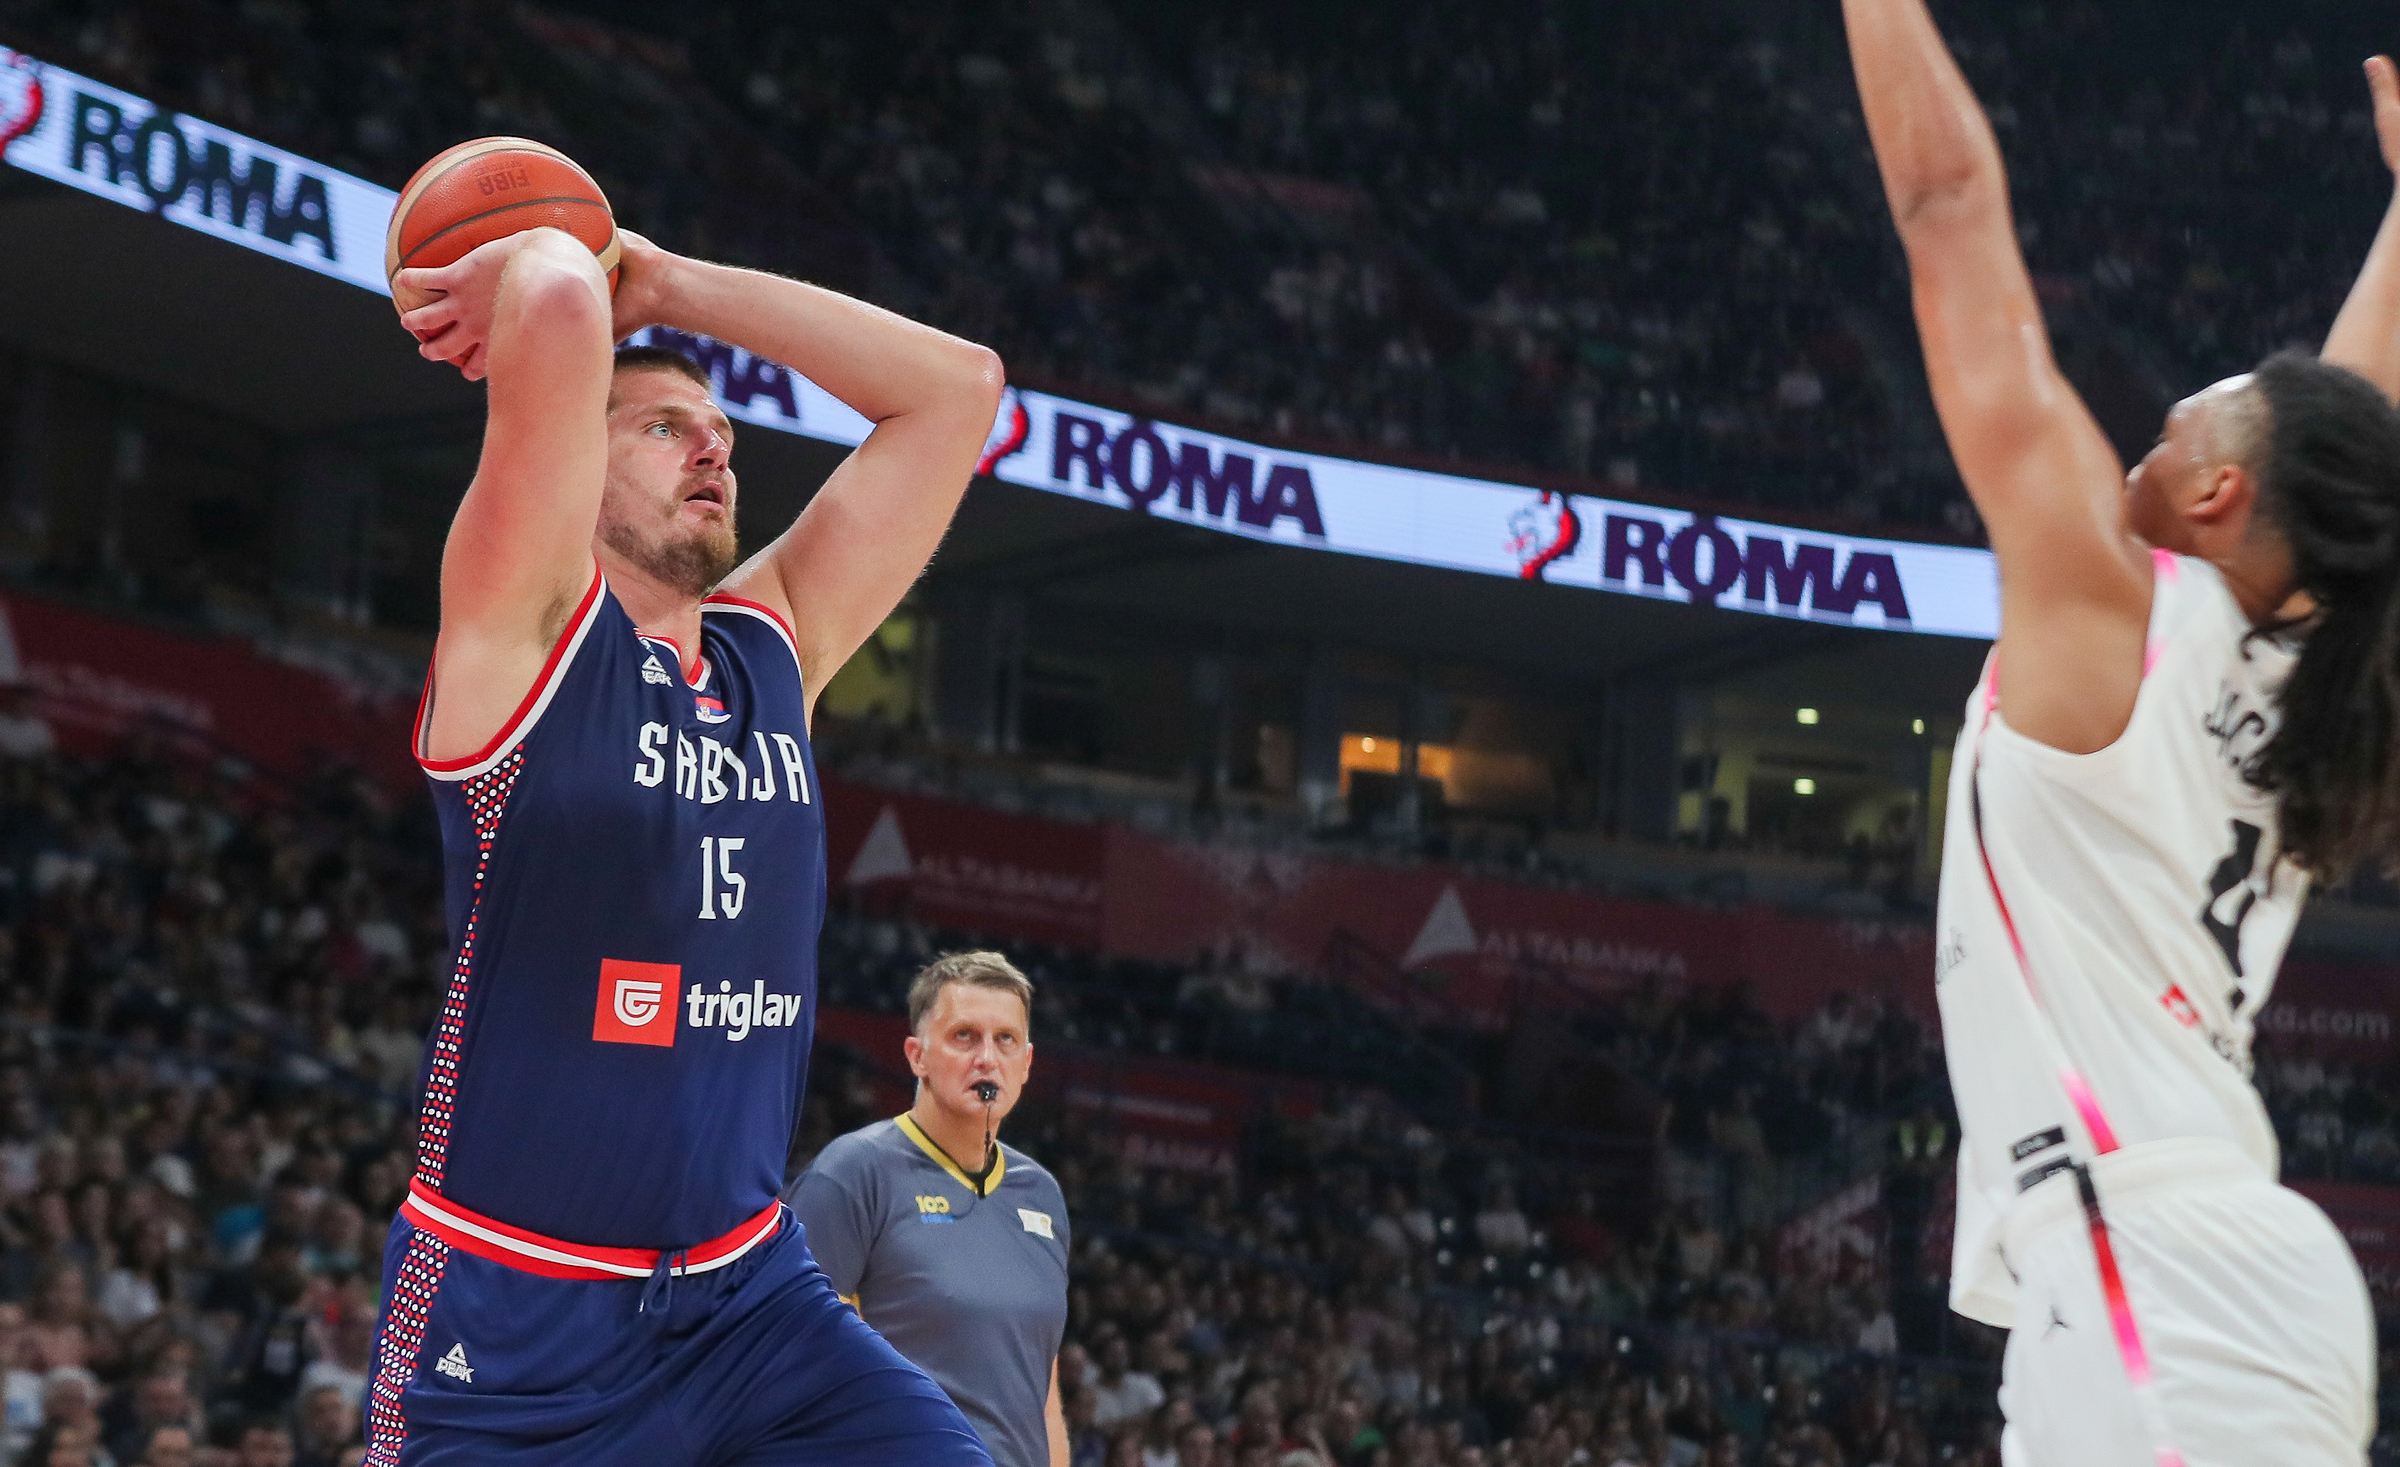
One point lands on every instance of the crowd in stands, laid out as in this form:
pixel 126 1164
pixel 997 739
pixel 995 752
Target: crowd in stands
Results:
pixel 1634 248
pixel 1866 876
pixel 2335 1118
pixel 212 995
pixel 1371 1291
pixel 211 1003
pixel 1647 253
pixel 1744 1110
pixel 2210 180
pixel 1430 235
pixel 214 1002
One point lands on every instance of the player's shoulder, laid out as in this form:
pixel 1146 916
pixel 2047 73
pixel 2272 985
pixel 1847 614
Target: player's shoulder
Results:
pixel 598 639
pixel 750 618
pixel 2196 620
pixel 2185 589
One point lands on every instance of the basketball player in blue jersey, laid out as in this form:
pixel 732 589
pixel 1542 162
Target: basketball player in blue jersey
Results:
pixel 592 1266
pixel 2193 709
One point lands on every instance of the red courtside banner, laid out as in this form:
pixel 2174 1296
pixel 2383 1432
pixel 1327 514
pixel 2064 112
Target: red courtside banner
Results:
pixel 1164 1112
pixel 1479 946
pixel 964 866
pixel 99 678
pixel 1432 936
pixel 1155 1110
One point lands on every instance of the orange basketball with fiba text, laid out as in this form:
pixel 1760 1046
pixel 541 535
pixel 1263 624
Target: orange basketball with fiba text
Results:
pixel 489 189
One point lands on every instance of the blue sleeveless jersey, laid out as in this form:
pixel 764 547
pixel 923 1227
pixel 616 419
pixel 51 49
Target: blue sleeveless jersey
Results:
pixel 635 879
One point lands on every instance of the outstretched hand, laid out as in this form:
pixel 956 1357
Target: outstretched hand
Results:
pixel 2384 81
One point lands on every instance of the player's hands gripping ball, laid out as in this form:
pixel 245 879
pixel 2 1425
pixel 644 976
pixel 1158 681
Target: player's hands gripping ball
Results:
pixel 459 219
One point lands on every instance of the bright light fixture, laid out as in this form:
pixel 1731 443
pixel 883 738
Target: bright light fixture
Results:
pixel 1808 716
pixel 1917 726
pixel 1804 786
pixel 1367 745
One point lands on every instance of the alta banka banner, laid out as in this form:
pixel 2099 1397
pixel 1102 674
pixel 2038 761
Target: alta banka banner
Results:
pixel 1435 939
pixel 118 146
pixel 1159 1111
pixel 92 137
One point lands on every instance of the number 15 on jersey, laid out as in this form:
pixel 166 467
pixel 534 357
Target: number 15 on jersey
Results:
pixel 721 887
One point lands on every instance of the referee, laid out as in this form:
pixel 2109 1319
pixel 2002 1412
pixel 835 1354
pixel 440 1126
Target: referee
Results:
pixel 951 1244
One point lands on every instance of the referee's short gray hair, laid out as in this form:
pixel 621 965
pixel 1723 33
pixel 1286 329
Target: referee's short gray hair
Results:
pixel 982 969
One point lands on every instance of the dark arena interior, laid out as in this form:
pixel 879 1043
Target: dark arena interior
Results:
pixel 1445 682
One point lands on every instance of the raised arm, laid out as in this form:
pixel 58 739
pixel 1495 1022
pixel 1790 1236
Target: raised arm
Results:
pixel 2366 336
pixel 2075 584
pixel 867 535
pixel 530 313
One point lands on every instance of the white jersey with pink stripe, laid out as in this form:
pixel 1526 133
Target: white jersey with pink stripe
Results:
pixel 2142 890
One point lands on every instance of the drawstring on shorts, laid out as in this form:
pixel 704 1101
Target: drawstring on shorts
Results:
pixel 660 1287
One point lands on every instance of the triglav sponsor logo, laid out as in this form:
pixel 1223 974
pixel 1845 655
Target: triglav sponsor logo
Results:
pixel 738 1013
pixel 638 1002
pixel 633 1006
pixel 641 1003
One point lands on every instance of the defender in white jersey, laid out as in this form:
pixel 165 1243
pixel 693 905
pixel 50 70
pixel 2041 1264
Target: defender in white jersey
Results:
pixel 2110 924
pixel 2194 705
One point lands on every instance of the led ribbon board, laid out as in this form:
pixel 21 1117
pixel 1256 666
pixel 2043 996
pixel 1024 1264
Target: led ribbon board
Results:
pixel 1142 466
pixel 117 146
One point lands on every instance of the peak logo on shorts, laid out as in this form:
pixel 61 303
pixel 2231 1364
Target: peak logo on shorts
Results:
pixel 637 1002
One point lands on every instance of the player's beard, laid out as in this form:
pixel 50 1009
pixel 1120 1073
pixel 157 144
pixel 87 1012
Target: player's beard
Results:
pixel 687 561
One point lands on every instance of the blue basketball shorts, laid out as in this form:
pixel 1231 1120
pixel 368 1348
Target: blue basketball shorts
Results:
pixel 756 1363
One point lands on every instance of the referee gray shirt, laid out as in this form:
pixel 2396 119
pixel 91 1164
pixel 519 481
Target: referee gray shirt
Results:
pixel 973 1289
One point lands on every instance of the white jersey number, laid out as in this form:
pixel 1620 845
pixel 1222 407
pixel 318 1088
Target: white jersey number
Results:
pixel 716 867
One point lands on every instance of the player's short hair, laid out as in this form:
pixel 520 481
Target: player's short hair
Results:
pixel 981 969
pixel 658 359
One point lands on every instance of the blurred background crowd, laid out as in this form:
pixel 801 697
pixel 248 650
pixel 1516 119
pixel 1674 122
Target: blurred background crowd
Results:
pixel 213 993
pixel 1634 249
pixel 1638 247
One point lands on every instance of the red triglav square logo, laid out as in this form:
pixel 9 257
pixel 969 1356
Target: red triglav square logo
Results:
pixel 637 1002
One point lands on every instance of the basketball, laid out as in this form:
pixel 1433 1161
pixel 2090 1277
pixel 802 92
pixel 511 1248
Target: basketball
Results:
pixel 488 189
